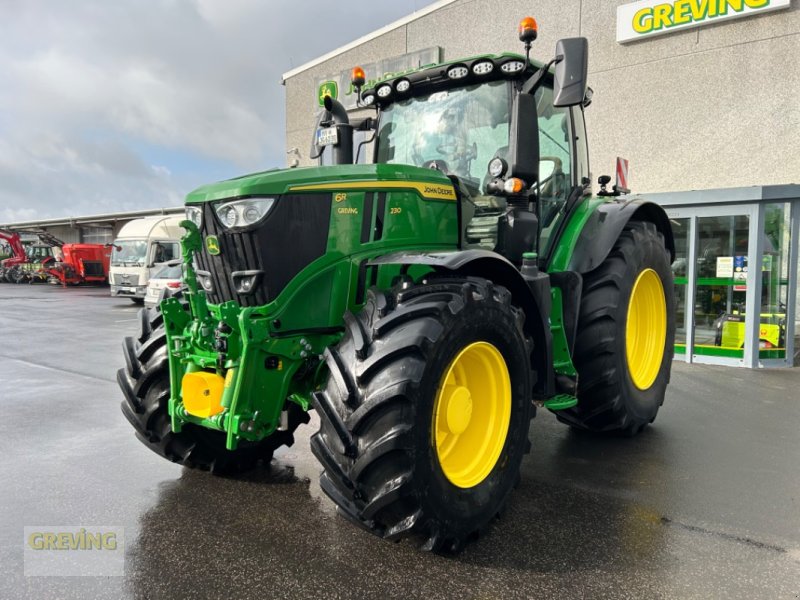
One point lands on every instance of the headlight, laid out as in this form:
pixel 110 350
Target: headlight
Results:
pixel 483 67
pixel 195 215
pixel 229 216
pixel 512 66
pixel 243 213
pixel 497 167
pixel 457 72
pixel 251 214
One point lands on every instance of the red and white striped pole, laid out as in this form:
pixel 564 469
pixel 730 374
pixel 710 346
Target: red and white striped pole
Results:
pixel 622 176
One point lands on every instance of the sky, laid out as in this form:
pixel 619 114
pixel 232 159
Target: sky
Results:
pixel 116 105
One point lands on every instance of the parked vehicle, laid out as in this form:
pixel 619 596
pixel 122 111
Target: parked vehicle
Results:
pixel 140 249
pixel 38 256
pixel 167 277
pixel 423 305
pixel 51 260
pixel 18 256
pixel 83 263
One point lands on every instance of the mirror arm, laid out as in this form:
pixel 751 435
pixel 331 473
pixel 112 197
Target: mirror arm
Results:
pixel 534 80
pixel 364 143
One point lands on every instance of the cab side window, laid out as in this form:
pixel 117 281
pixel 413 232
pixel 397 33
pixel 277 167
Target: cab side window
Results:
pixel 171 251
pixel 164 251
pixel 555 162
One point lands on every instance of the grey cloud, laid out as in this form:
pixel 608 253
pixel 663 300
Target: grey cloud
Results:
pixel 198 77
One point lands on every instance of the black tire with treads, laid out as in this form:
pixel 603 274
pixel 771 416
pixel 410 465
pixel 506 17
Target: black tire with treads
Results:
pixel 608 400
pixel 145 385
pixel 375 441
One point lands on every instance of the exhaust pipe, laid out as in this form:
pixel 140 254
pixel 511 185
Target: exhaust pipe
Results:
pixel 343 150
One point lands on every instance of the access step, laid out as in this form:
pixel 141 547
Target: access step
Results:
pixel 560 402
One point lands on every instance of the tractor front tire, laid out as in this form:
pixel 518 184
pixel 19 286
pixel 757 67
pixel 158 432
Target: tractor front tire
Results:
pixel 145 385
pixel 626 333
pixel 425 416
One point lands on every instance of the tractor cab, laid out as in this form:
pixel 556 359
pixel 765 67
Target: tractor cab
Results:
pixel 507 131
pixel 39 253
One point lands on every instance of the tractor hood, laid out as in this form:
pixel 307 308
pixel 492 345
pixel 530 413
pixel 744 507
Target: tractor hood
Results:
pixel 430 183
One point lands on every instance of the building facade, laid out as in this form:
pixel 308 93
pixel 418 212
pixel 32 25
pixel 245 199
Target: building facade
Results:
pixel 713 106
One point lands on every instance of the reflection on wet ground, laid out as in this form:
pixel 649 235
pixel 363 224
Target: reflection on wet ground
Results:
pixel 706 503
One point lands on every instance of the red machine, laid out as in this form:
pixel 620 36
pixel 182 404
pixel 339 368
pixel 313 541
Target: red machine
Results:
pixel 64 263
pixel 7 266
pixel 14 242
pixel 81 263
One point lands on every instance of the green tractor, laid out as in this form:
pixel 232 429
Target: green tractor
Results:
pixel 423 304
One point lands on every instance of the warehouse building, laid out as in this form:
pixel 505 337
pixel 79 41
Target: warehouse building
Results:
pixel 89 229
pixel 700 95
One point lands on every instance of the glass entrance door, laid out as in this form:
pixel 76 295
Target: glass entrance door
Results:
pixel 714 283
pixel 721 270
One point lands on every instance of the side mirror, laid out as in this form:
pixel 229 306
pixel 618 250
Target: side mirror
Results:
pixel 523 148
pixel 569 85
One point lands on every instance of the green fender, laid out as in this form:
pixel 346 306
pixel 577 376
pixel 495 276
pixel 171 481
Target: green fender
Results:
pixel 531 294
pixel 598 225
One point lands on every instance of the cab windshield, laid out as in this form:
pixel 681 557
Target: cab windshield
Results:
pixel 129 253
pixel 457 131
pixel 37 253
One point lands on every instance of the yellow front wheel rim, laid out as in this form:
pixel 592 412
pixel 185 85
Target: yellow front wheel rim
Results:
pixel 471 414
pixel 646 329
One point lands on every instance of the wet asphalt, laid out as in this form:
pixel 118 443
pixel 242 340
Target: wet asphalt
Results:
pixel 704 504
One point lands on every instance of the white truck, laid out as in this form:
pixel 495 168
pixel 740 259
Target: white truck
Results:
pixel 139 250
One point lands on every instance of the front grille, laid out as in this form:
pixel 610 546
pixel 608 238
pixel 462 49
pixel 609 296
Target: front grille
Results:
pixel 123 279
pixel 294 234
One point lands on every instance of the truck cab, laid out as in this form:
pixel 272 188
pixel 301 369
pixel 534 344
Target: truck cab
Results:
pixel 140 249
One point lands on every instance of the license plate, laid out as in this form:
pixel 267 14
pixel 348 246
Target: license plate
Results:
pixel 328 136
pixel 130 290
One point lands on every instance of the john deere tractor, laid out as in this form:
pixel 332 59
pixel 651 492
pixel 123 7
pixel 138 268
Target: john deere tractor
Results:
pixel 424 304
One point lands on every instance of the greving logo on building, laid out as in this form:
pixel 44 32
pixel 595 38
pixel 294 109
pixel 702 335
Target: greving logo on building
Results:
pixel 649 18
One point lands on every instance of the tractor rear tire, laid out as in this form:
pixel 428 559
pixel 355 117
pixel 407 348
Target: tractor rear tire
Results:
pixel 398 406
pixel 145 385
pixel 626 332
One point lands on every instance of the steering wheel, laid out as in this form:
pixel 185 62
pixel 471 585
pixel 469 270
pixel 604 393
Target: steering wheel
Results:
pixel 557 170
pixel 451 148
pixel 550 191
pixel 437 164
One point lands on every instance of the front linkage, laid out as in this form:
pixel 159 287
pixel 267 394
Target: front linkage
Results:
pixel 226 371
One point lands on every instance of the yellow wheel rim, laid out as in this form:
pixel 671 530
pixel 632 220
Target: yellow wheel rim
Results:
pixel 471 414
pixel 646 329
